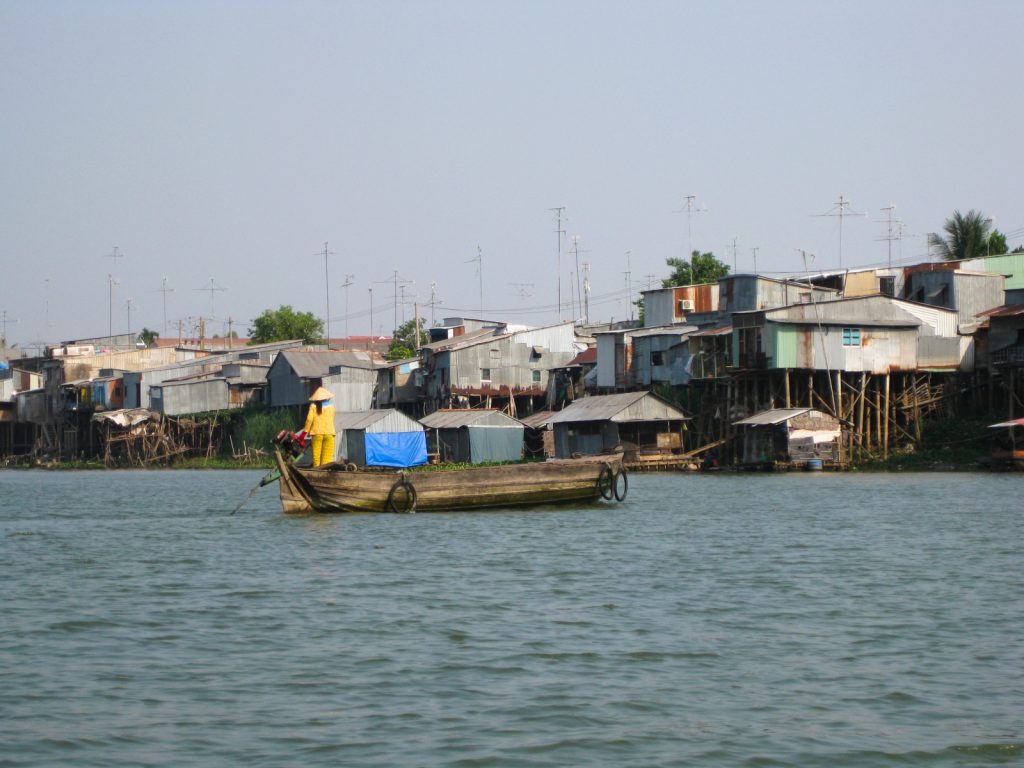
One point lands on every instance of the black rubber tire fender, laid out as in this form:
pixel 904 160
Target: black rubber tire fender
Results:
pixel 410 495
pixel 624 477
pixel 606 482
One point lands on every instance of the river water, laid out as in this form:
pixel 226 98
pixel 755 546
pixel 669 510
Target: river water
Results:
pixel 710 620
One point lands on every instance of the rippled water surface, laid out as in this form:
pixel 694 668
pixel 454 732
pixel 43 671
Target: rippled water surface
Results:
pixel 764 620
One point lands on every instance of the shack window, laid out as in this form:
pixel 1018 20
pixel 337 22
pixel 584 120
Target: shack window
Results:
pixel 536 377
pixel 485 374
pixel 657 358
pixel 851 337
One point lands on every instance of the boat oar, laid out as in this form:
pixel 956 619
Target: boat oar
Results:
pixel 267 479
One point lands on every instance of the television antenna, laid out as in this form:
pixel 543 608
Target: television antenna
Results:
pixel 128 305
pixel 212 288
pixel 579 291
pixel 111 282
pixel 559 231
pixel 327 288
pixel 894 233
pixel 4 320
pixel 398 285
pixel 434 301
pixel 479 259
pixel 629 276
pixel 114 255
pixel 690 208
pixel 349 282
pixel 841 210
pixel 164 290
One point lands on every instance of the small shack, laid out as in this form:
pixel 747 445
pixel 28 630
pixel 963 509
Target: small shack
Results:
pixel 790 437
pixel 635 422
pixel 474 436
pixel 379 438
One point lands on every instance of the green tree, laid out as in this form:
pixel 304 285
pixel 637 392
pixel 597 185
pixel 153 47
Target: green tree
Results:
pixel 148 337
pixel 285 323
pixel 968 236
pixel 404 342
pixel 699 268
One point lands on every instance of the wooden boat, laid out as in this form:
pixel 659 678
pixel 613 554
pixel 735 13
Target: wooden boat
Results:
pixel 1007 450
pixel 340 488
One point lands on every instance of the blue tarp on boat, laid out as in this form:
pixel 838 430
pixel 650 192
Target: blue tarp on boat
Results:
pixel 396 449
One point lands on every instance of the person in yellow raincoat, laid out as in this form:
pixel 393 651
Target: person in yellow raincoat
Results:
pixel 320 426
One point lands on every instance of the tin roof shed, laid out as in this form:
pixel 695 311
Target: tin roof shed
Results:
pixel 623 407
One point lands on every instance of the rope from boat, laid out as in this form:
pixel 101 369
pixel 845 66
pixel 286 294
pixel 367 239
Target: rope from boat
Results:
pixel 606 482
pixel 410 496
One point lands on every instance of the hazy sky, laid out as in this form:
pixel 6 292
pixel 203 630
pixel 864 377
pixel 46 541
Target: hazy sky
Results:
pixel 230 140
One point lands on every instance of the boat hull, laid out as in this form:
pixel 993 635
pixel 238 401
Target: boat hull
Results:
pixel 333 489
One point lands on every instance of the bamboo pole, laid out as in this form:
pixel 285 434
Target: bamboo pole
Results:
pixel 786 379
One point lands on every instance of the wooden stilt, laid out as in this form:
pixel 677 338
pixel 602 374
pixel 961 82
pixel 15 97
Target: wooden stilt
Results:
pixel 885 420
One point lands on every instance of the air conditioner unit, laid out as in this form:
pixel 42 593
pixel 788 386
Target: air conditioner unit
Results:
pixel 685 305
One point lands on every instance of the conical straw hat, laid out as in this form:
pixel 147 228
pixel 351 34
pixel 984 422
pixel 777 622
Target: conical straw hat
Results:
pixel 321 394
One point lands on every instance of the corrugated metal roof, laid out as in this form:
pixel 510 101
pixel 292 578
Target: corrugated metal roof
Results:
pixel 1007 310
pixel 665 330
pixel 724 330
pixel 774 416
pixel 464 340
pixel 464 417
pixel 365 419
pixel 586 357
pixel 626 406
pixel 863 321
pixel 309 365
pixel 537 420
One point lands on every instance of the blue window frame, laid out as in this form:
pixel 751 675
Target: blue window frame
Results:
pixel 851 337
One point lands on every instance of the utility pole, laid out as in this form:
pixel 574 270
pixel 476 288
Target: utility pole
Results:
pixel 840 209
pixel 754 251
pixel 327 288
pixel 349 281
pixel 558 211
pixel 734 260
pixel 164 290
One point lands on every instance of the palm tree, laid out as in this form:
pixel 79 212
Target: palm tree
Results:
pixel 967 236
